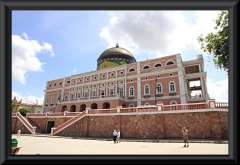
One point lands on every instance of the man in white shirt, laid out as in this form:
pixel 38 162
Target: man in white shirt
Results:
pixel 118 136
pixel 18 133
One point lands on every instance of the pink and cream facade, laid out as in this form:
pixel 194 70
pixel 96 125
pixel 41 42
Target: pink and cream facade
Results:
pixel 167 80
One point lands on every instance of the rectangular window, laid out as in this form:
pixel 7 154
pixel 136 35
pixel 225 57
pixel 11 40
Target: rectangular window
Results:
pixel 146 91
pixel 131 92
pixel 121 92
pixel 159 89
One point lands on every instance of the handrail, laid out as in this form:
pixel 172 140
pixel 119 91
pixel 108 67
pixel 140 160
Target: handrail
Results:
pixel 221 104
pixel 185 106
pixel 25 122
pixel 67 123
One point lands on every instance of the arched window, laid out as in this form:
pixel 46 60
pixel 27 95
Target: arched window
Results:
pixel 146 104
pixel 59 97
pixel 131 70
pixel 66 97
pixel 159 88
pixel 158 65
pixel 146 67
pixel 131 91
pixel 131 105
pixel 172 87
pixel 169 63
pixel 52 100
pixel 146 90
pixel 173 102
pixel 159 102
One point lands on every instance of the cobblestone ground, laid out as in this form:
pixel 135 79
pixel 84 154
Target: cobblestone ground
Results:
pixel 32 145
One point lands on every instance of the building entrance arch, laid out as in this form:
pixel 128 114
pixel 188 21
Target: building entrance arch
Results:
pixel 73 108
pixel 106 105
pixel 64 108
pixel 82 107
pixel 94 106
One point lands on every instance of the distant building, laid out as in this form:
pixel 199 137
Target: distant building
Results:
pixel 34 108
pixel 122 81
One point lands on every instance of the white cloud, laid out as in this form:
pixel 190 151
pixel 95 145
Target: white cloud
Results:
pixel 24 57
pixel 159 32
pixel 27 99
pixel 25 36
pixel 74 70
pixel 218 90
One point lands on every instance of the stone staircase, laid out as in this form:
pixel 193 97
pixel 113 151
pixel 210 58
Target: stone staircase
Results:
pixel 32 123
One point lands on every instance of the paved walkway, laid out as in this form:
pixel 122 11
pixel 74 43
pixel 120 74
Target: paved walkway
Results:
pixel 45 144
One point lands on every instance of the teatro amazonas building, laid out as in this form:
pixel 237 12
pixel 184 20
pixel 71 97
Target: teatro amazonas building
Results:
pixel 120 80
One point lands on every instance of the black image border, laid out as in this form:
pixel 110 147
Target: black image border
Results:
pixel 6 7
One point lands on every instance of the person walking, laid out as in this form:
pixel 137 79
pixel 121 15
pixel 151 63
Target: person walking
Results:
pixel 114 136
pixel 185 137
pixel 118 136
pixel 18 133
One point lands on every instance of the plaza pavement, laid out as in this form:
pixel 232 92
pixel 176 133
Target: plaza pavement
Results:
pixel 44 144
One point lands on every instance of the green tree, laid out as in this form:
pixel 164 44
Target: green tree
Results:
pixel 216 44
pixel 23 111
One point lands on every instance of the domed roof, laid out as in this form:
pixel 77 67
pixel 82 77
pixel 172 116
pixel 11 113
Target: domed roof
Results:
pixel 116 50
pixel 114 56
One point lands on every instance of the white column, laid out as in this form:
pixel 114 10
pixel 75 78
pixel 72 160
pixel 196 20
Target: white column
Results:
pixel 179 61
pixel 44 99
pixel 63 84
pixel 69 94
pixel 106 91
pixel 62 94
pixel 138 85
pixel 138 91
pixel 89 93
pixel 115 87
pixel 182 87
pixel 203 87
pixel 125 89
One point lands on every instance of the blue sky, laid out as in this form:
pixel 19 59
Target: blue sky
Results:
pixel 48 45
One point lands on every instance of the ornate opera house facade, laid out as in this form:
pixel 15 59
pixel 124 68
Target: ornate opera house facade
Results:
pixel 122 81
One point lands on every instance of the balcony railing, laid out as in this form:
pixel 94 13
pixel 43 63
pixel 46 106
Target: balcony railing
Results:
pixel 159 95
pixel 172 93
pixel 146 96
